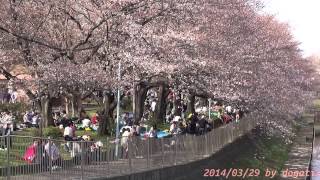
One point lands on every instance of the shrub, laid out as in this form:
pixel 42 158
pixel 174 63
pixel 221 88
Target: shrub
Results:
pixel 53 132
pixel 35 132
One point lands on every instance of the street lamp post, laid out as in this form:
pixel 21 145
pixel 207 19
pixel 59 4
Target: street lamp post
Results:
pixel 209 110
pixel 118 110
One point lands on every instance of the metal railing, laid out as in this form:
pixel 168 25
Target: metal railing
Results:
pixel 314 159
pixel 308 177
pixel 55 159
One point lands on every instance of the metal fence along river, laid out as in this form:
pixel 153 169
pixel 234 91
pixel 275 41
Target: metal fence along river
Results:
pixel 55 159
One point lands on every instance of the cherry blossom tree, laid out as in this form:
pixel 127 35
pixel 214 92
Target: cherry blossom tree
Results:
pixel 220 49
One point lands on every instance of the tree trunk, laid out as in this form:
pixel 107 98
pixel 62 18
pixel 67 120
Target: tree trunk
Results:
pixel 160 112
pixel 177 105
pixel 76 104
pixel 66 104
pixel 191 102
pixel 72 108
pixel 141 94
pixel 46 112
pixel 107 118
pixel 204 101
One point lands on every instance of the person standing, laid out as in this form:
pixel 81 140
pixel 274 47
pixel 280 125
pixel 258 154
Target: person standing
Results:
pixel 125 141
pixel 14 96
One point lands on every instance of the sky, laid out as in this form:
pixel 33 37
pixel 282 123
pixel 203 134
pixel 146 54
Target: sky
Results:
pixel 304 18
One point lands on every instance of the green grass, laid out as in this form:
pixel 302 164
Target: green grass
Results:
pixel 91 112
pixel 25 132
pixel 20 145
pixel 265 152
pixel 316 103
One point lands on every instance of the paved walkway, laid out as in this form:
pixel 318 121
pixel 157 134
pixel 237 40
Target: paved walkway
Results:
pixel 299 156
pixel 316 150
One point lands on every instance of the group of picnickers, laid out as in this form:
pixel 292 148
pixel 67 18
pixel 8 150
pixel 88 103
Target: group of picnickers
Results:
pixel 46 152
pixel 31 119
pixel 84 122
pixel 181 122
pixel 197 123
pixel 39 151
pixel 8 124
pixel 6 127
pixel 9 96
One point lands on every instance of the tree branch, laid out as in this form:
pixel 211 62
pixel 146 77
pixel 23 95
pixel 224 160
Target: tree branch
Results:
pixel 26 38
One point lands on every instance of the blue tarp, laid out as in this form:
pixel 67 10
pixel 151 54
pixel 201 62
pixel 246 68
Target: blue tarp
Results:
pixel 160 134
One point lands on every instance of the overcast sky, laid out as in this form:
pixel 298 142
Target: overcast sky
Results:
pixel 304 19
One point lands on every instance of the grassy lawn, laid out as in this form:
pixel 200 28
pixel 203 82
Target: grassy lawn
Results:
pixel 316 103
pixel 264 152
pixel 21 143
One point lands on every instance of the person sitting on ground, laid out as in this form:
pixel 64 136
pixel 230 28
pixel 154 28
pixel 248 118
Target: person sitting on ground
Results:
pixel 86 123
pixel 95 150
pixel 68 133
pixel 35 120
pixel 26 120
pixel 30 115
pixel 226 118
pixel 95 118
pixel 153 133
pixel 181 128
pixel 229 110
pixel 31 152
pixel 174 127
pixel 57 118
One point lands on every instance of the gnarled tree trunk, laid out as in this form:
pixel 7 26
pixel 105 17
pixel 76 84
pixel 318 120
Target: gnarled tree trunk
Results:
pixel 46 112
pixel 76 104
pixel 160 112
pixel 141 90
pixel 191 102
pixel 105 116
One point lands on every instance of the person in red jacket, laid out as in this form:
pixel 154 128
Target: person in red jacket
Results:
pixel 95 119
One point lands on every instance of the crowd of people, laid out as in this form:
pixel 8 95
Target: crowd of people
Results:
pixel 31 119
pixel 9 96
pixel 39 151
pixel 43 151
pixel 6 127
pixel 84 122
pixel 197 123
pixel 194 123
